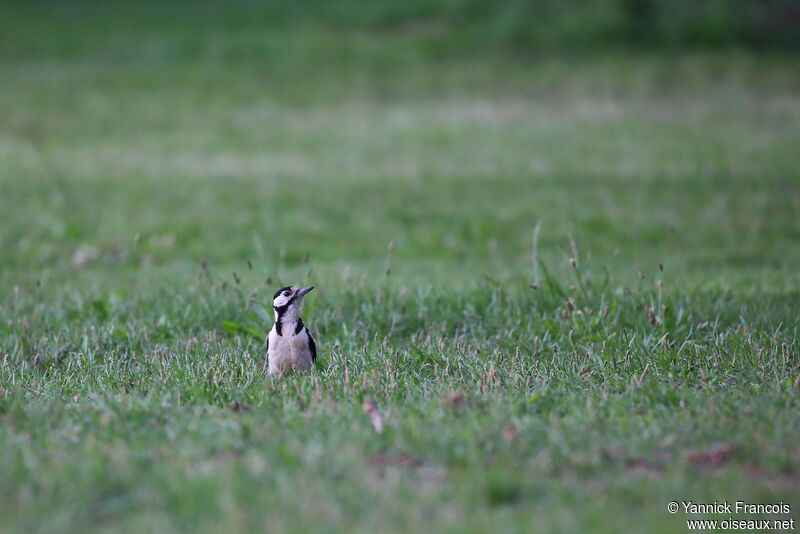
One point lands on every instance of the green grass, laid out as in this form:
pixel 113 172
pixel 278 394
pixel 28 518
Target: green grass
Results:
pixel 144 164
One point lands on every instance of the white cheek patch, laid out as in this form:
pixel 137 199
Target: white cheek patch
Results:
pixel 281 300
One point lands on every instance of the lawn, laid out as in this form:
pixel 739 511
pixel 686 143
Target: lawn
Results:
pixel 568 284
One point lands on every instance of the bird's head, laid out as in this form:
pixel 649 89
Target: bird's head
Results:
pixel 288 299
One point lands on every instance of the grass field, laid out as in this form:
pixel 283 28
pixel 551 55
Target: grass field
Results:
pixel 569 283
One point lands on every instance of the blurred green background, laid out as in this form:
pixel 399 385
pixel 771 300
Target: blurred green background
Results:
pixel 433 168
pixel 275 130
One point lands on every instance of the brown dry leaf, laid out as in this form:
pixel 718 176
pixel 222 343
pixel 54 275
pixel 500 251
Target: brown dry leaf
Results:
pixel 401 460
pixel 454 399
pixel 371 409
pixel 716 456
pixel 237 407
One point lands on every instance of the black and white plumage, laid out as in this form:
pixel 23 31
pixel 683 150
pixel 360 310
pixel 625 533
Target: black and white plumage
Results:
pixel 291 345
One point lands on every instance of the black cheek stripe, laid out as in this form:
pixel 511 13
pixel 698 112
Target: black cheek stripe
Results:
pixel 280 310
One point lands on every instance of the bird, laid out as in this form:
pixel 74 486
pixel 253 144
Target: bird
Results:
pixel 290 343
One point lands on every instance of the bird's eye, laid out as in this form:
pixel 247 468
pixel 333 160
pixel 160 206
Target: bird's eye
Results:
pixel 287 293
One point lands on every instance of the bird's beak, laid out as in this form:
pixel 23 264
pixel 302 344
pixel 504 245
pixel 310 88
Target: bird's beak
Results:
pixel 303 291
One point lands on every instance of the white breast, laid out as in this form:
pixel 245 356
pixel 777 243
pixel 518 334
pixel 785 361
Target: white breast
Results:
pixel 288 351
